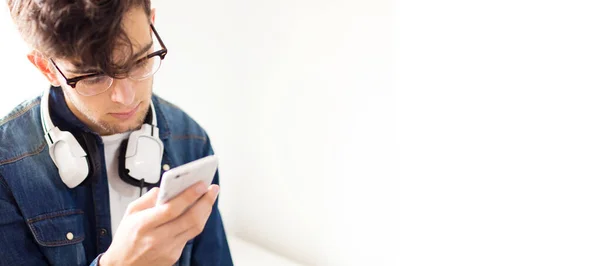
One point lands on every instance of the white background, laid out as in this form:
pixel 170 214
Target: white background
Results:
pixel 382 133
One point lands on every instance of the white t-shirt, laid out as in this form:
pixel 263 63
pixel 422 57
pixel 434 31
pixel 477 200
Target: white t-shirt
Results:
pixel 120 193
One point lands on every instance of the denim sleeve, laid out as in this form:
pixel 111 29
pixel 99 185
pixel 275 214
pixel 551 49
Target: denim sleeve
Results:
pixel 211 247
pixel 17 246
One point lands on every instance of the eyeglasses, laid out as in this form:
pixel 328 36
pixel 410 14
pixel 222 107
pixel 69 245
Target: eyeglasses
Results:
pixel 96 83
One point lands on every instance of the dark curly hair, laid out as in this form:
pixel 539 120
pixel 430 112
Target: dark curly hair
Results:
pixel 87 32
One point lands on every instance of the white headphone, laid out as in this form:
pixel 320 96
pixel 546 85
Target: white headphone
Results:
pixel 77 160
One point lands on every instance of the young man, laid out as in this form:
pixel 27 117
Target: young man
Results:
pixel 74 161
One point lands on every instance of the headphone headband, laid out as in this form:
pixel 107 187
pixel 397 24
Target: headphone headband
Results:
pixel 47 124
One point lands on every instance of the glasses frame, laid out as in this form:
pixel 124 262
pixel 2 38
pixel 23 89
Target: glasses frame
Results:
pixel 162 53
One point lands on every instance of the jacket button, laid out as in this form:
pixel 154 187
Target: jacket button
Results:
pixel 166 167
pixel 70 236
pixel 103 232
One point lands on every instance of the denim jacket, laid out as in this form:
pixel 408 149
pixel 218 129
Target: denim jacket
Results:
pixel 43 222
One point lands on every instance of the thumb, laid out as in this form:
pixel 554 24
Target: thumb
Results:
pixel 146 201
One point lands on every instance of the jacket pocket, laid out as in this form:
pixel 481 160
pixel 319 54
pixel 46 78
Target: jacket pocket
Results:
pixel 58 228
pixel 60 236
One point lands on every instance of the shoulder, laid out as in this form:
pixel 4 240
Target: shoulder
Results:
pixel 20 112
pixel 21 134
pixel 177 121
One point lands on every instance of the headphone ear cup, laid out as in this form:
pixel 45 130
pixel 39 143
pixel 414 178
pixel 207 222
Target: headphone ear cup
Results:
pixel 76 158
pixel 73 169
pixel 140 158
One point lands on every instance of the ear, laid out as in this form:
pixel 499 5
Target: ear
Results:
pixel 152 15
pixel 43 65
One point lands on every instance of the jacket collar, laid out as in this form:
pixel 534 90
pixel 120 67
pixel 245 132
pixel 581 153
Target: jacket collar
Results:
pixel 65 120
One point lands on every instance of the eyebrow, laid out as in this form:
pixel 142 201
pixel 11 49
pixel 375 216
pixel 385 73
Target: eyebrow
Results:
pixel 79 70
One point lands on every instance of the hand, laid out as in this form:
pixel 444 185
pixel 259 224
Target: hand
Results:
pixel 156 235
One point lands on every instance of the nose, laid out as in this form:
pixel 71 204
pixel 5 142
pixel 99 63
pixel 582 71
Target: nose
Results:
pixel 123 91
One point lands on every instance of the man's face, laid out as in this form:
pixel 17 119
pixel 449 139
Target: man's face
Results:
pixel 125 104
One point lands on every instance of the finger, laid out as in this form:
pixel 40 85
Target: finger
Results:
pixel 172 209
pixel 194 216
pixel 192 223
pixel 146 201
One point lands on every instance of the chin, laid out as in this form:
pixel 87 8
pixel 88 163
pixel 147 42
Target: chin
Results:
pixel 116 126
pixel 110 124
pixel 131 125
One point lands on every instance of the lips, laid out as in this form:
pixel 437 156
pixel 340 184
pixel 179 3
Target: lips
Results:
pixel 126 114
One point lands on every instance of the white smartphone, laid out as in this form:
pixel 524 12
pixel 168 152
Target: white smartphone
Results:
pixel 180 178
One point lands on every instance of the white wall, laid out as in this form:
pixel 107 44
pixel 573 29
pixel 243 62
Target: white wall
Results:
pixel 299 107
pixel 18 76
pixel 481 152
